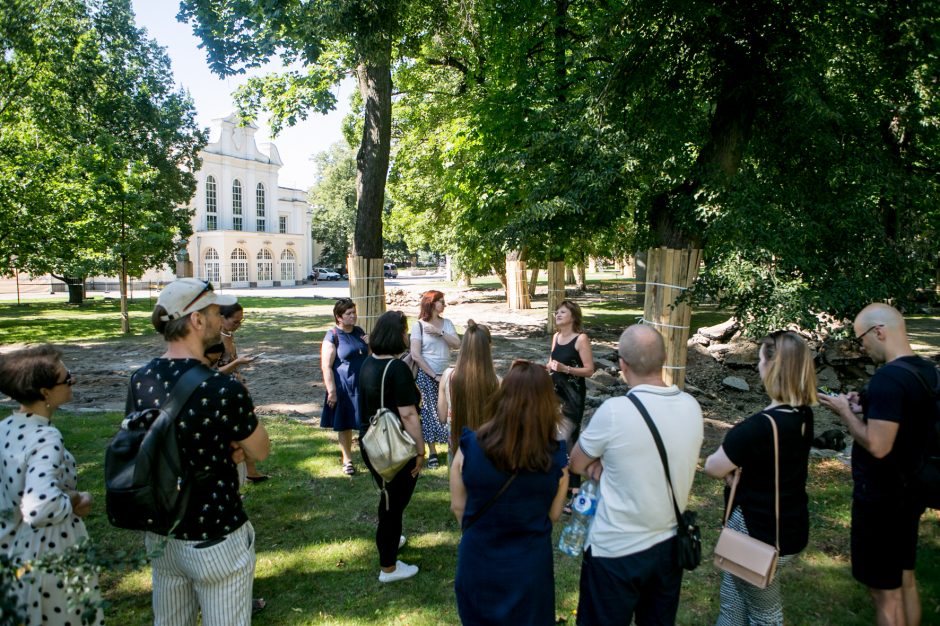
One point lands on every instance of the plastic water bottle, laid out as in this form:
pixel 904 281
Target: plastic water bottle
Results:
pixel 583 508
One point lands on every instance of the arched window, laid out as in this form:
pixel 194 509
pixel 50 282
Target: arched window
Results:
pixel 287 265
pixel 236 205
pixel 212 204
pixel 210 266
pixel 259 203
pixel 239 266
pixel 265 265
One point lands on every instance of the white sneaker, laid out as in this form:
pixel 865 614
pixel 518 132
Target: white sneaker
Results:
pixel 402 542
pixel 401 572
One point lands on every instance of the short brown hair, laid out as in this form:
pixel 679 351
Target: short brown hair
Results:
pixel 790 376
pixel 576 316
pixel 521 431
pixel 172 330
pixel 24 373
pixel 342 305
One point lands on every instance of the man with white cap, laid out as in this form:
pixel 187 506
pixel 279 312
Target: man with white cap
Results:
pixel 209 561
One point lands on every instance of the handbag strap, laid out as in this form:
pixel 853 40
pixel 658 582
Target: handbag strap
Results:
pixel 662 452
pixel 382 387
pixel 737 477
pixel 467 523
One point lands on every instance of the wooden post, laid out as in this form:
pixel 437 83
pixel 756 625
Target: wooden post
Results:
pixel 517 296
pixel 669 272
pixel 569 276
pixel 367 289
pixel 629 266
pixel 533 281
pixel 556 291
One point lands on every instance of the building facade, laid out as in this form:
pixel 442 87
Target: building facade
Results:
pixel 248 231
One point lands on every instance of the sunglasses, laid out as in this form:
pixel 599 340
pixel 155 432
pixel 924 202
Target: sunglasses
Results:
pixel 205 290
pixel 69 379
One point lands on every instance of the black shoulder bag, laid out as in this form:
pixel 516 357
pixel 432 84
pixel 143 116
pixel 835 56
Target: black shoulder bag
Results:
pixel 688 533
pixel 470 521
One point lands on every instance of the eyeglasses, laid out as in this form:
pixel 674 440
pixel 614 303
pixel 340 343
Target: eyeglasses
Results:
pixel 69 379
pixel 858 340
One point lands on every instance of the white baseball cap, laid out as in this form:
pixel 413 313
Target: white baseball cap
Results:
pixel 185 295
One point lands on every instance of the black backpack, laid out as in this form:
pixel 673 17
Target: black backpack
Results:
pixel 147 485
pixel 926 478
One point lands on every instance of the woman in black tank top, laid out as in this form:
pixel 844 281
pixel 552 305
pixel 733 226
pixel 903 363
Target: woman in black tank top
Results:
pixel 571 362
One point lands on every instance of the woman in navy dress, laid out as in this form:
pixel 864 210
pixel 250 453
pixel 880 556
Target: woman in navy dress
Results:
pixel 504 561
pixel 345 347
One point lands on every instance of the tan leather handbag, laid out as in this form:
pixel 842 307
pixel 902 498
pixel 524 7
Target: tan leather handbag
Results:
pixel 744 556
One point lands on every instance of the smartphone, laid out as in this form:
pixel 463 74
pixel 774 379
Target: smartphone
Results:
pixel 826 391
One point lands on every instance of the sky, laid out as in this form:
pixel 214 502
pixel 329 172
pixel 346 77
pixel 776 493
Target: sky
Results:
pixel 212 95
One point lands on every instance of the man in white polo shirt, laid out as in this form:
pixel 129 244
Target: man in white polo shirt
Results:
pixel 630 565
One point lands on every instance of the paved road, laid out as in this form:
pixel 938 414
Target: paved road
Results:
pixel 325 289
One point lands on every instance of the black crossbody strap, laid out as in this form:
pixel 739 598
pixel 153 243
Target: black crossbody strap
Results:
pixel 467 523
pixel 662 451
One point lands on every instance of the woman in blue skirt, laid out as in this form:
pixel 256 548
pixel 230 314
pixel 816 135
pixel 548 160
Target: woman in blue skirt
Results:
pixel 345 347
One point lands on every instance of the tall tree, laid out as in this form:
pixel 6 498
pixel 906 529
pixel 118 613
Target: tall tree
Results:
pixel 100 148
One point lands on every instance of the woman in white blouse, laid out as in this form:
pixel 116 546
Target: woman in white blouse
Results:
pixel 38 483
pixel 432 339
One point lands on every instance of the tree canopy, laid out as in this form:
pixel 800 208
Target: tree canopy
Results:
pixel 97 148
pixel 796 142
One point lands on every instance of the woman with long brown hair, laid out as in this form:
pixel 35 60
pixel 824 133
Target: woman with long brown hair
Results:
pixel 507 486
pixel 432 339
pixel 789 378
pixel 466 387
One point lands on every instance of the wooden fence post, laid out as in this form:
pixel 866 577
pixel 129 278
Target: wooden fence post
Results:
pixel 556 291
pixel 367 289
pixel 669 272
pixel 517 296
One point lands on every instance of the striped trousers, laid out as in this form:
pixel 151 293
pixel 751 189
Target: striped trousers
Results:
pixel 743 604
pixel 216 579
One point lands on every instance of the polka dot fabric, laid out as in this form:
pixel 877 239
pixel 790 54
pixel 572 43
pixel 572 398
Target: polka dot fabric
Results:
pixel 219 412
pixel 36 472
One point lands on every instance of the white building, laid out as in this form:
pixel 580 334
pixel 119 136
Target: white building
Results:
pixel 247 230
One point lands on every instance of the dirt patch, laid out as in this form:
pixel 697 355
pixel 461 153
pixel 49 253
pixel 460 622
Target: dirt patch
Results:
pixel 287 380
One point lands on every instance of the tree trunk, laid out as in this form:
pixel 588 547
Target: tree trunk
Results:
pixel 582 277
pixel 533 281
pixel 640 271
pixel 517 296
pixel 76 286
pixel 375 87
pixel 125 318
pixel 569 275
pixel 367 292
pixel 629 266
pixel 671 272
pixel 365 263
pixel 556 291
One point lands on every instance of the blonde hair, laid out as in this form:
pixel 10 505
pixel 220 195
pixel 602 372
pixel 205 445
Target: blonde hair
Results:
pixel 473 381
pixel 789 376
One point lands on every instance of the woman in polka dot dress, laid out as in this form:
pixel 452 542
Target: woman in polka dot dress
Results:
pixel 42 509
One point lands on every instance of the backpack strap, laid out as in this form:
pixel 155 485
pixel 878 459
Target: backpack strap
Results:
pixel 382 388
pixel 185 387
pixel 934 391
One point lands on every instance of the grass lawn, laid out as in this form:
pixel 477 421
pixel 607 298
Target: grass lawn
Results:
pixel 317 563
pixel 96 320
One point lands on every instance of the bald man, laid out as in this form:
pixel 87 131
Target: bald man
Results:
pixel 890 423
pixel 630 566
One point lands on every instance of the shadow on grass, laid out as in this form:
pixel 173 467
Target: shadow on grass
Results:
pixel 317 562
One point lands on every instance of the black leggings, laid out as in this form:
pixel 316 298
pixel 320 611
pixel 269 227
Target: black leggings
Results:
pixel 397 496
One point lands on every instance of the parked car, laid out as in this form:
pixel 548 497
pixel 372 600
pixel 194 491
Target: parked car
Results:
pixel 325 274
pixel 391 270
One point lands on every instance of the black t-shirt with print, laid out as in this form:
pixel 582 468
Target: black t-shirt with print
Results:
pixel 219 412
pixel 400 388
pixel 750 446
pixel 895 395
